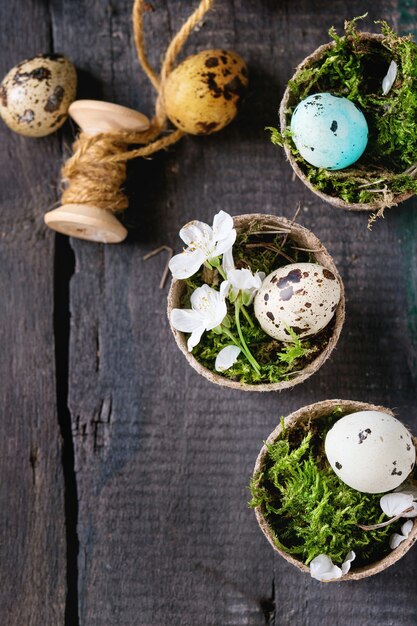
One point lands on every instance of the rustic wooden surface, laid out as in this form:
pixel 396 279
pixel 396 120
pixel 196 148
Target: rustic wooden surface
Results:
pixel 123 491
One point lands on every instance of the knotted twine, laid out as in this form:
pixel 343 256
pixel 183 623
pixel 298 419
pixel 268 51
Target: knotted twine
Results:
pixel 97 170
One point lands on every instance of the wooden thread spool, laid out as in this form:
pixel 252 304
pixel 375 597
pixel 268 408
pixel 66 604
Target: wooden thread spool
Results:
pixel 93 177
pixel 88 221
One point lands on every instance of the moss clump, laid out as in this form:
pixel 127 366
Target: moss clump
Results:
pixel 278 361
pixel 354 68
pixel 308 508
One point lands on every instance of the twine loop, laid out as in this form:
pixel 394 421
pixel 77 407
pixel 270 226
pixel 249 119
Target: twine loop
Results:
pixel 96 171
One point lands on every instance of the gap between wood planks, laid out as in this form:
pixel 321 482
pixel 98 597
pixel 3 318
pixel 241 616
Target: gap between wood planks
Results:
pixel 64 265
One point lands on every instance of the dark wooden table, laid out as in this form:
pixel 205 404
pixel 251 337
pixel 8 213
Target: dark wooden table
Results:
pixel 123 473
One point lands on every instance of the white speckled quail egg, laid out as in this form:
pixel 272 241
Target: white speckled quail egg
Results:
pixel 329 131
pixel 370 451
pixel 204 92
pixel 36 93
pixel 303 296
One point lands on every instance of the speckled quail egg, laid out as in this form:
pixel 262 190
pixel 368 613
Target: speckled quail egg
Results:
pixel 202 94
pixel 370 451
pixel 303 296
pixel 36 93
pixel 329 131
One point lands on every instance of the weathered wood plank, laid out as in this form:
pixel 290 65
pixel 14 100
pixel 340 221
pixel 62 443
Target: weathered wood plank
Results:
pixel 32 524
pixel 163 457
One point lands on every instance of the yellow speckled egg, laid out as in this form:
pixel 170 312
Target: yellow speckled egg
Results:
pixel 202 95
pixel 36 93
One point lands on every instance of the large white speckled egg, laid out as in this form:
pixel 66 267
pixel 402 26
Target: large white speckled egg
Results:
pixel 36 93
pixel 329 131
pixel 303 296
pixel 370 451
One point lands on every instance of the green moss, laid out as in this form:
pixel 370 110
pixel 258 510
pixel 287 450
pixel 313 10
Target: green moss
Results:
pixel 278 361
pixel 354 68
pixel 308 508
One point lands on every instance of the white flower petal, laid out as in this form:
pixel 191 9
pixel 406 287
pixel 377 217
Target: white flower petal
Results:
pixel 322 568
pixel 185 320
pixel 226 358
pixel 242 279
pixel 395 503
pixel 196 233
pixel 227 261
pixel 210 304
pixel 225 288
pixel 186 263
pixel 389 79
pixel 351 556
pixel 395 540
pixel 224 245
pixel 406 528
pixel 412 513
pixel 195 337
pixel 222 225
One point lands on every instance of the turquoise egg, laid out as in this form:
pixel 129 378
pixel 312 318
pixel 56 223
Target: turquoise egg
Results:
pixel 329 131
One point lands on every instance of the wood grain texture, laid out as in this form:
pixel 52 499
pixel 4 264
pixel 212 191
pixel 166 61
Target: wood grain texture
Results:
pixel 32 524
pixel 162 456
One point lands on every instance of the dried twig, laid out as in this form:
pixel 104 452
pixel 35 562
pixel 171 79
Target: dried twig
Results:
pixel 166 269
pixel 270 246
pixel 390 521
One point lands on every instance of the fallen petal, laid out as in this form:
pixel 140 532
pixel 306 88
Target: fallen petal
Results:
pixel 406 528
pixel 226 358
pixel 413 512
pixel 322 568
pixel 351 556
pixel 389 79
pixel 395 503
pixel 395 540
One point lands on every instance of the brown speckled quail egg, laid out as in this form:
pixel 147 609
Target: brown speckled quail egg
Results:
pixel 36 93
pixel 370 451
pixel 203 93
pixel 303 296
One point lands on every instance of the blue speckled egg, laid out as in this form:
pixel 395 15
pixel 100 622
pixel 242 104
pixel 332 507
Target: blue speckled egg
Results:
pixel 329 131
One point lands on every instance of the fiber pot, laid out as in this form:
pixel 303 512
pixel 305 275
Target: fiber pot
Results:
pixel 304 239
pixel 306 415
pixel 289 101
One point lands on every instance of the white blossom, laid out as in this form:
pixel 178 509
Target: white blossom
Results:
pixel 226 358
pixel 240 281
pixel 205 243
pixel 208 310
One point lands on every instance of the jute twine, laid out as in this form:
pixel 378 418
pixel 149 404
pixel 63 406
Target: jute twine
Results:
pixel 302 238
pixel 289 100
pixel 97 170
pixel 305 416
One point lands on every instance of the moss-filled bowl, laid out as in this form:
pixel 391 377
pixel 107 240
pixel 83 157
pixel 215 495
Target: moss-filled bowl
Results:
pixel 317 419
pixel 353 67
pixel 304 246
